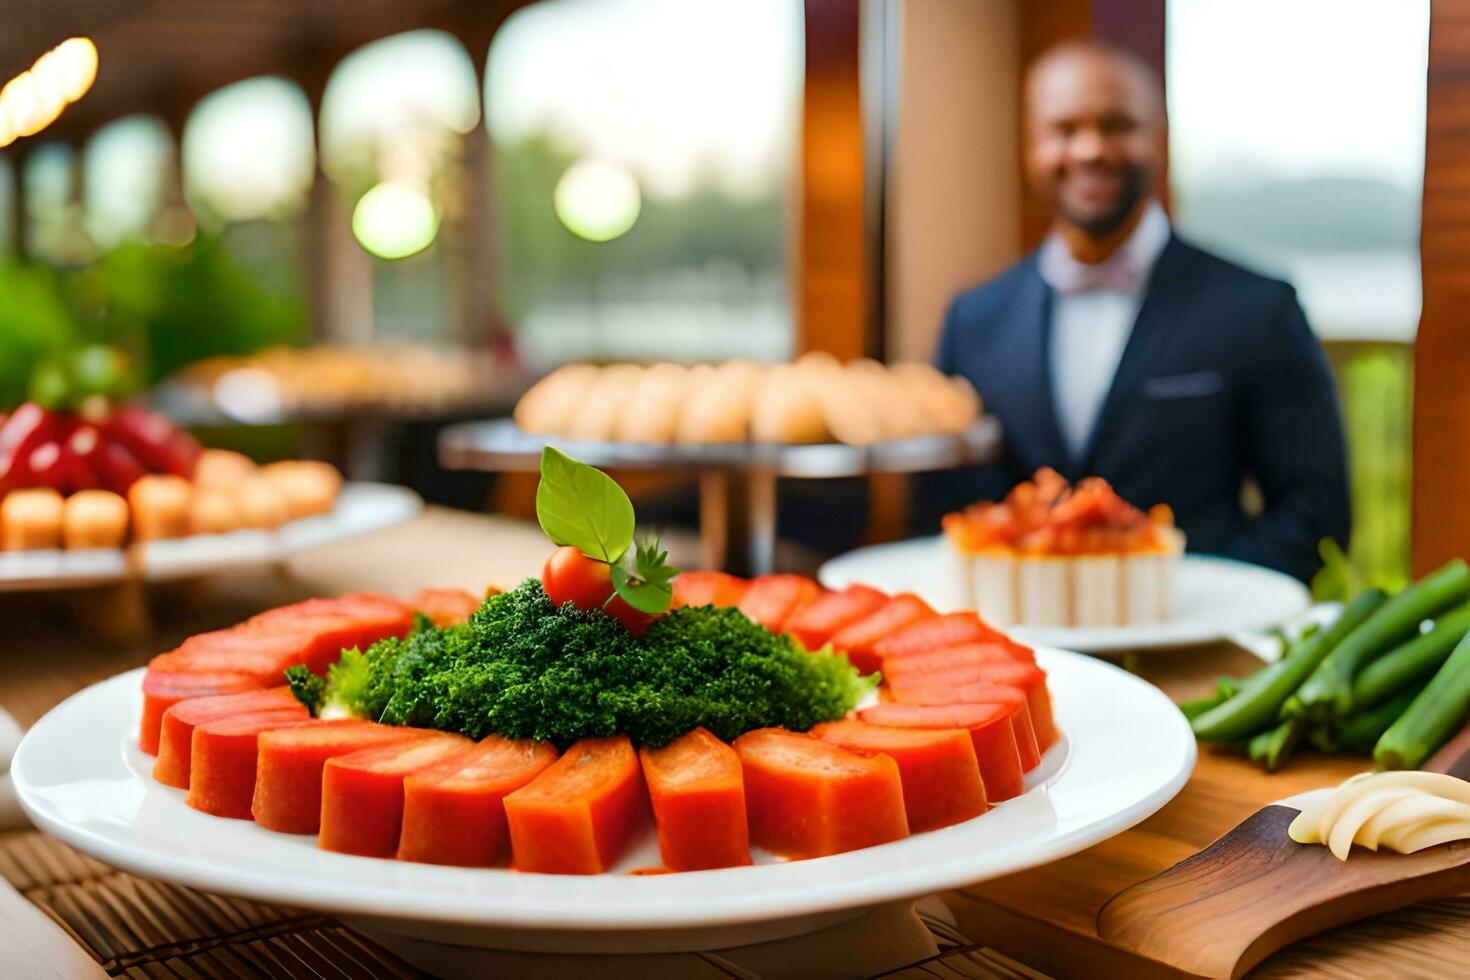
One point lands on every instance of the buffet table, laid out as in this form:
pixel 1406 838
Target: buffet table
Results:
pixel 1041 920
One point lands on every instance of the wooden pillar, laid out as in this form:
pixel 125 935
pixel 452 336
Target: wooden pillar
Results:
pixel 831 287
pixel 1441 462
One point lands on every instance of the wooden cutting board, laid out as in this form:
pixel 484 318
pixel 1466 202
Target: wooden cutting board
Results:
pixel 1220 912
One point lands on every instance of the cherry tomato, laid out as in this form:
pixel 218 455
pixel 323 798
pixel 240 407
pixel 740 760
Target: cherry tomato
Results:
pixel 635 620
pixel 570 576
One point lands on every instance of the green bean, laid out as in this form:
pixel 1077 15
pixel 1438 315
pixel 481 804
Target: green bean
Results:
pixel 1410 665
pixel 1225 688
pixel 1274 746
pixel 1323 739
pixel 1433 717
pixel 1362 731
pixel 1330 688
pixel 1261 696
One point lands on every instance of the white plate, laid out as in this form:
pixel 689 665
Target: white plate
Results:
pixel 361 508
pixel 81 777
pixel 1214 597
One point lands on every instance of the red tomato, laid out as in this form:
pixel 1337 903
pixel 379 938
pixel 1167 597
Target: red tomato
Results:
pixel 635 620
pixel 570 576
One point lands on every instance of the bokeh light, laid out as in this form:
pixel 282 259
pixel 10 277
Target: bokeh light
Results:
pixel 597 200
pixel 395 220
pixel 32 100
pixel 249 150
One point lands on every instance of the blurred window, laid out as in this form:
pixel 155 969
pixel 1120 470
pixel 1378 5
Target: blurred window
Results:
pixel 124 167
pixel 248 152
pixel 1296 140
pixel 643 155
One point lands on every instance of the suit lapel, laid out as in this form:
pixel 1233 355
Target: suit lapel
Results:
pixel 1164 305
pixel 1031 340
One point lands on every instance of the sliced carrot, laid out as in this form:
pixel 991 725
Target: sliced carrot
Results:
pixel 362 793
pixel 222 775
pixel 857 639
pixel 948 630
pixel 941 779
pixel 958 687
pixel 454 813
pixel 773 599
pixel 288 772
pixel 1028 746
pixel 991 728
pixel 177 731
pixel 445 607
pixel 807 798
pixel 698 795
pixel 955 656
pixel 162 689
pixel 576 816
pixel 708 589
pixel 818 622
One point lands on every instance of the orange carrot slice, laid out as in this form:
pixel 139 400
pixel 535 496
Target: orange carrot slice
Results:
pixel 445 607
pixel 708 589
pixel 288 772
pixel 222 774
pixel 772 599
pixel 698 795
pixel 177 731
pixel 955 656
pixel 857 639
pixel 935 634
pixel 991 728
pixel 162 689
pixel 362 793
pixel 818 622
pixel 454 813
pixel 941 779
pixel 576 816
pixel 1028 746
pixel 966 683
pixel 807 798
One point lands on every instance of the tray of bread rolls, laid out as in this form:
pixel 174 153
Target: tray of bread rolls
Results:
pixel 813 418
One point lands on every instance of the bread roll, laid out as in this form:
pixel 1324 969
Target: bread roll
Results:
pixel 895 408
pixel 846 408
pixel 223 468
pixel 160 507
pixel 718 407
pixel 261 505
pixel 31 519
pixel 787 409
pixel 651 413
pixel 308 487
pixel 548 407
pixel 214 511
pixel 950 404
pixel 94 519
pixel 596 418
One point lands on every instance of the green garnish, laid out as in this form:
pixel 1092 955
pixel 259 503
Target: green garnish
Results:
pixel 522 668
pixel 650 586
pixel 307 687
pixel 581 506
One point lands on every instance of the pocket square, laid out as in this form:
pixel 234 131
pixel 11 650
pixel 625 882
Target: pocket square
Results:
pixel 1196 384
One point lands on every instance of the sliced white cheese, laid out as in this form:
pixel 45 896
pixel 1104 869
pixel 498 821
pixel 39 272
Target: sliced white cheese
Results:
pixel 1097 590
pixel 1402 811
pixel 1044 587
pixel 993 587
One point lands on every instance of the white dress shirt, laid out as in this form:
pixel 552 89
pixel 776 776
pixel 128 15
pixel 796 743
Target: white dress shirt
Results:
pixel 1093 311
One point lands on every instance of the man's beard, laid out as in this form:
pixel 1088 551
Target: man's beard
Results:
pixel 1104 224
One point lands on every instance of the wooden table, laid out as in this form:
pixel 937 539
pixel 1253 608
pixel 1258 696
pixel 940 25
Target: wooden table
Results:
pixel 1043 918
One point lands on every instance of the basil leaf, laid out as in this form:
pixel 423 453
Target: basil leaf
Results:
pixel 582 506
pixel 647 597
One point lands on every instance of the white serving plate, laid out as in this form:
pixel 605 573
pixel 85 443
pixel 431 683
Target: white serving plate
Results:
pixel 361 509
pixel 1213 599
pixel 81 777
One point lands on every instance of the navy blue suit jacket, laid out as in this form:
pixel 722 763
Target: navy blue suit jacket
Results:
pixel 1221 380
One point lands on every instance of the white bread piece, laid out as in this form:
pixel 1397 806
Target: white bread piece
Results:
pixel 895 407
pixel 1097 590
pixel 995 587
pixel 949 404
pixel 1145 589
pixel 786 409
pixel 1044 591
pixel 718 407
pixel 596 418
pixel 548 407
pixel 652 411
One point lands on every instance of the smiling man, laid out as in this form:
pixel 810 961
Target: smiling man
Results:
pixel 1118 350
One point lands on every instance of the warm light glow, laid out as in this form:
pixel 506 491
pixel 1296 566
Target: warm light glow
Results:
pixel 395 220
pixel 32 100
pixel 597 200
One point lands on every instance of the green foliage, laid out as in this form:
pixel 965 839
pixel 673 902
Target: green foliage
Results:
pixel 581 506
pixel 1376 385
pixel 35 324
pixel 524 669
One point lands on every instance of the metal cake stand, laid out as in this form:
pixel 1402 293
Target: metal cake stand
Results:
pixel 737 481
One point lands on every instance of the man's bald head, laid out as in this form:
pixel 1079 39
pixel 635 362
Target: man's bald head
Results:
pixel 1095 131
